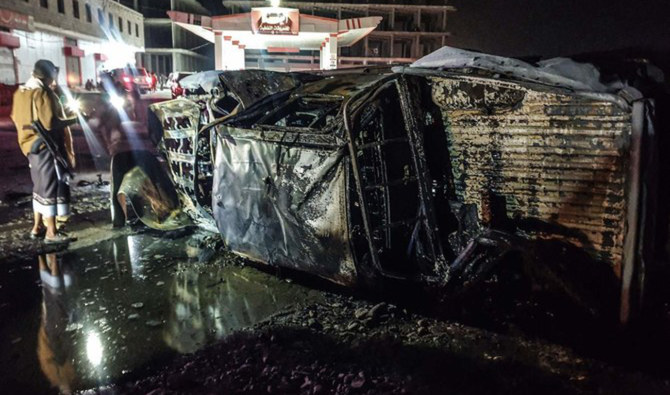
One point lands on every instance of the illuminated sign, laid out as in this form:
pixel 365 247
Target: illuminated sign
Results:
pixel 275 20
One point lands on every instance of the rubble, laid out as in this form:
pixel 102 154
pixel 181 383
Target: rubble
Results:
pixel 287 354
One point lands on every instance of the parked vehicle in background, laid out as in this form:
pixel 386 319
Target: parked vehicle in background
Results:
pixel 128 78
pixel 174 82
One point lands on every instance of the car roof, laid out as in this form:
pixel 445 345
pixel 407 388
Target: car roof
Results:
pixel 342 85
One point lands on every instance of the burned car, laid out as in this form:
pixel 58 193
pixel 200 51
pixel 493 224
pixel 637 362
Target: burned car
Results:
pixel 433 173
pixel 181 128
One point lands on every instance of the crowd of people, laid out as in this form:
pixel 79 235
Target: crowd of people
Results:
pixel 158 82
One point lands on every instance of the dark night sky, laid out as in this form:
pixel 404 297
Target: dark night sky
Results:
pixel 560 27
pixel 550 28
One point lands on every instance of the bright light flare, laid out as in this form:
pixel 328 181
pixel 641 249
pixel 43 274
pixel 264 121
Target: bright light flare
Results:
pixel 74 105
pixel 275 3
pixel 117 102
pixel 94 349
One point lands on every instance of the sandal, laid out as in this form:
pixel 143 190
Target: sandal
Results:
pixel 58 239
pixel 38 235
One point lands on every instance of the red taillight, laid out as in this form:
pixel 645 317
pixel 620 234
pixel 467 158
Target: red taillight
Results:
pixel 126 79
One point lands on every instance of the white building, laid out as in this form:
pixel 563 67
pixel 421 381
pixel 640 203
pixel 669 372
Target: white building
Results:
pixel 408 30
pixel 79 36
pixel 275 30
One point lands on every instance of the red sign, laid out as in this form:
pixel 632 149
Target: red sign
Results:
pixel 9 41
pixel 275 20
pixel 14 20
pixel 73 51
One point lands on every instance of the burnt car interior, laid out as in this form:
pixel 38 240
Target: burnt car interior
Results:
pixel 304 112
pixel 389 186
pixel 449 175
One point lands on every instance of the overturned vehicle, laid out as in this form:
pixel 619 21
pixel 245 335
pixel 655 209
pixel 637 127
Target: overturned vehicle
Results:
pixel 181 128
pixel 435 172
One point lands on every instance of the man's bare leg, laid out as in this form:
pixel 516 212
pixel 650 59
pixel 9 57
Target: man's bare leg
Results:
pixel 51 227
pixel 121 198
pixel 37 223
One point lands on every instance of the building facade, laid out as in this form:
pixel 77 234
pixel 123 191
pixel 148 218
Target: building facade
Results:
pixel 170 48
pixel 81 37
pixel 408 31
pixel 276 30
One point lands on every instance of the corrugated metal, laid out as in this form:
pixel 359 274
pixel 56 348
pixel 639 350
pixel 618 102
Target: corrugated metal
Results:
pixel 559 158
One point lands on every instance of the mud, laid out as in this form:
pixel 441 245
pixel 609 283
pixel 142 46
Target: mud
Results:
pixel 133 311
pixel 345 345
pixel 84 318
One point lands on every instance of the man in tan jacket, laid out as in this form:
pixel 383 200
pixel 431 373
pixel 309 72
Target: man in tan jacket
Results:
pixel 51 194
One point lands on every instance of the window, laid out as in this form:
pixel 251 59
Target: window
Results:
pixel 130 28
pixel 89 17
pixel 44 3
pixel 159 36
pixel 304 112
pixel 75 8
pixel 73 71
pixel 137 30
pixel 101 17
pixel 226 105
pixel 61 6
pixel 111 20
pixel 120 25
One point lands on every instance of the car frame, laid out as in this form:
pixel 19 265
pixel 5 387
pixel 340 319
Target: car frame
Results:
pixel 464 169
pixel 435 175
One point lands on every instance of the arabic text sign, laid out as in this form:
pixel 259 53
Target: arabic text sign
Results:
pixel 275 20
pixel 14 20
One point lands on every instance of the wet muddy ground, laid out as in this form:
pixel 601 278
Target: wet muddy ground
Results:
pixel 84 318
pixel 134 311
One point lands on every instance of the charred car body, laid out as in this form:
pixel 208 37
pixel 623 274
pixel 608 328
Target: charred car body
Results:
pixel 182 128
pixel 433 173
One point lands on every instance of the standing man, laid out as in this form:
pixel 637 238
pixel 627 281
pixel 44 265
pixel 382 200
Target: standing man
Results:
pixel 162 79
pixel 154 81
pixel 51 195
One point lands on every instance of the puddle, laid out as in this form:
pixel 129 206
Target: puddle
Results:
pixel 81 319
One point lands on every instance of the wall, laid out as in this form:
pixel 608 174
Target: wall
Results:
pixel 35 46
pixel 57 21
pixel 52 27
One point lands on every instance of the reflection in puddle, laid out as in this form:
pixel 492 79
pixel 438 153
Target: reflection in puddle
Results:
pixel 123 304
pixel 54 348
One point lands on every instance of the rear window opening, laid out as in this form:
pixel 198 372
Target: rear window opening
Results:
pixel 226 105
pixel 304 112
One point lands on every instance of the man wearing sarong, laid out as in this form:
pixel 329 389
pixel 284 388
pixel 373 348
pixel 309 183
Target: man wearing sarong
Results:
pixel 51 193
